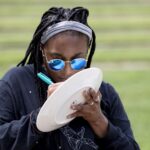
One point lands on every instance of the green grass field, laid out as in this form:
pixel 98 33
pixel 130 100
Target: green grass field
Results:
pixel 123 47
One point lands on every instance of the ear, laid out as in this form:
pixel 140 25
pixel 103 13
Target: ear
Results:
pixel 41 47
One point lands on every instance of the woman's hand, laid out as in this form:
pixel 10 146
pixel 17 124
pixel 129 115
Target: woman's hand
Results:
pixel 52 88
pixel 92 112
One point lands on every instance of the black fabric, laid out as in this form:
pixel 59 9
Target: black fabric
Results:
pixel 19 107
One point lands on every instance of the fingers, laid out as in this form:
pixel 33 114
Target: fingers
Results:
pixel 90 109
pixel 79 110
pixel 77 107
pixel 99 97
pixel 87 111
pixel 52 88
pixel 91 96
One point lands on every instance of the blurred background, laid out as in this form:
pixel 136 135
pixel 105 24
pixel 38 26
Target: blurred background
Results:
pixel 123 47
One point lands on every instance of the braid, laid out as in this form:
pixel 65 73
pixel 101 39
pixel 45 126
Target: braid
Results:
pixel 52 16
pixel 81 14
pixel 93 46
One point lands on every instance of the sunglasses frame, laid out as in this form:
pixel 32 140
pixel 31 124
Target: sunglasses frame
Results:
pixel 67 61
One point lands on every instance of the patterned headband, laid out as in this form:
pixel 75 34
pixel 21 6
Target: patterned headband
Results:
pixel 64 26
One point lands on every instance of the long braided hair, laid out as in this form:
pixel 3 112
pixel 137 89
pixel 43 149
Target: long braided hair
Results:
pixel 52 16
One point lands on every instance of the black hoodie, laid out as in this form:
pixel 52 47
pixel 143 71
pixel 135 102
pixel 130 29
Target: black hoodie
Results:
pixel 19 107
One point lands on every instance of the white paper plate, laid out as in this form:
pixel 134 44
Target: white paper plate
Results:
pixel 53 113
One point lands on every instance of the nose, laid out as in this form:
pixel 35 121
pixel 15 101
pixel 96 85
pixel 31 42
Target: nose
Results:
pixel 68 70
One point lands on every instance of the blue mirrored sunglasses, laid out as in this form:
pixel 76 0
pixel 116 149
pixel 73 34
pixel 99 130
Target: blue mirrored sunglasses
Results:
pixel 59 64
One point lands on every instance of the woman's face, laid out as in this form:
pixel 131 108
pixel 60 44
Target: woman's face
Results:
pixel 66 47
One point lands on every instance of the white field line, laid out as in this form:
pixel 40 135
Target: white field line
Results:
pixel 123 66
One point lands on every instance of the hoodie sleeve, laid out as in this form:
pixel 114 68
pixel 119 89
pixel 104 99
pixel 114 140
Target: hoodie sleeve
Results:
pixel 119 135
pixel 16 133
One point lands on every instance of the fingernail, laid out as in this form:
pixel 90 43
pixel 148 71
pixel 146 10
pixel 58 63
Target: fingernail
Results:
pixel 84 93
pixel 73 106
pixel 96 100
pixel 69 116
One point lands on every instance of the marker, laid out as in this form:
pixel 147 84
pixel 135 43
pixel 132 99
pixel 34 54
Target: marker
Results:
pixel 44 78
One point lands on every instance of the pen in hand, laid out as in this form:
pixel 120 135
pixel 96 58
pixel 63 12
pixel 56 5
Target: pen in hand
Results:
pixel 44 78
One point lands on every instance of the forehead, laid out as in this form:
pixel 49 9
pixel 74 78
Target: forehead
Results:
pixel 68 42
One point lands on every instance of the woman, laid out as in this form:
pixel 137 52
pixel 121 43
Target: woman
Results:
pixel 60 46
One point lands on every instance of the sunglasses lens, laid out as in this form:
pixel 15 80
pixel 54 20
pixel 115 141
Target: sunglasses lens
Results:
pixel 56 64
pixel 78 63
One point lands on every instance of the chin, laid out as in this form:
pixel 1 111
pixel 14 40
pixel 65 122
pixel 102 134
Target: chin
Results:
pixel 61 80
